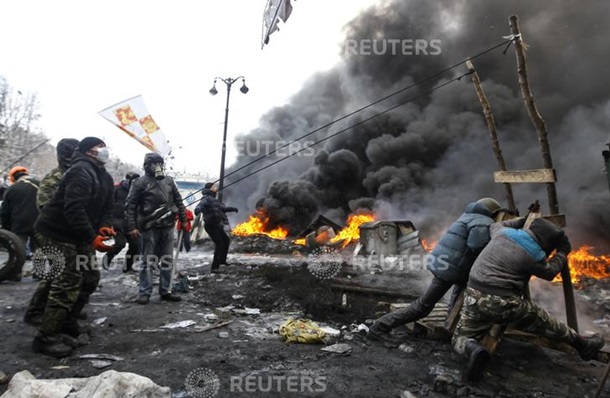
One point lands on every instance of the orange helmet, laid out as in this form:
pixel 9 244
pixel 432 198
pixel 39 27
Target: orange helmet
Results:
pixel 16 170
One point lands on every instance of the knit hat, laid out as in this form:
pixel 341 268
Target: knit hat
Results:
pixel 208 185
pixel 88 143
pixel 548 234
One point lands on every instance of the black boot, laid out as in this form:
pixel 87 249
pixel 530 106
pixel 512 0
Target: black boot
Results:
pixel 478 357
pixel 53 346
pixel 588 347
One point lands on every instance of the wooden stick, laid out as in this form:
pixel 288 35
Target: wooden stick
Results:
pixel 211 327
pixel 370 290
pixel 491 126
pixel 526 92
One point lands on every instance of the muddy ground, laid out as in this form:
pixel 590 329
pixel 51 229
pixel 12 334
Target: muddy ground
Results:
pixel 253 361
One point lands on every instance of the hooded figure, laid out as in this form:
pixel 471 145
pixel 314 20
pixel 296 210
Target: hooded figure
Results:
pixel 153 166
pixel 48 185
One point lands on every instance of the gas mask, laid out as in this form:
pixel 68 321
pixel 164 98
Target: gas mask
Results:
pixel 157 170
pixel 103 155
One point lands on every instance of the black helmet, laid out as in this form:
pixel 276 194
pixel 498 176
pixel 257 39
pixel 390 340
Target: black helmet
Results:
pixel 150 158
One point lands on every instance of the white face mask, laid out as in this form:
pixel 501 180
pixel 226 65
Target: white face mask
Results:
pixel 103 154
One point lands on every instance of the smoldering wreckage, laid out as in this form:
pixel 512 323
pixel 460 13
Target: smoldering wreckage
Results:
pixel 397 181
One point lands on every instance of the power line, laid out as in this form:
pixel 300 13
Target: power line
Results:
pixel 437 74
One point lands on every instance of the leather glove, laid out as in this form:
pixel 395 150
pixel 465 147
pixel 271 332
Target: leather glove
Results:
pixel 107 231
pixel 99 245
pixel 565 246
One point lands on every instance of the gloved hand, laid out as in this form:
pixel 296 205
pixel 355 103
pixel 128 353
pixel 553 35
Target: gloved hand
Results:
pixel 134 233
pixel 229 209
pixel 99 245
pixel 107 231
pixel 565 246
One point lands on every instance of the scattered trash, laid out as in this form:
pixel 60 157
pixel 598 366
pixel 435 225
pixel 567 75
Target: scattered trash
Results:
pixel 101 356
pixel 210 317
pixel 181 324
pixel 246 311
pixel 10 320
pixel 181 285
pixel 4 378
pixel 407 394
pixel 100 364
pixel 99 321
pixel 223 335
pixel 302 331
pixel 332 332
pixel 340 348
pixel 59 367
pixel 406 348
pixel 224 312
pixel 83 339
pixel 237 297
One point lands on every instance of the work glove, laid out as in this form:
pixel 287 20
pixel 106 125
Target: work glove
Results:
pixel 565 247
pixel 107 231
pixel 99 245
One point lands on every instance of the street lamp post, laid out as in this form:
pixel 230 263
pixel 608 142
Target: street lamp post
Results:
pixel 229 82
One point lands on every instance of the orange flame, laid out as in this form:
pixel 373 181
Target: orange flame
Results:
pixel 352 231
pixel 583 264
pixel 255 225
pixel 428 246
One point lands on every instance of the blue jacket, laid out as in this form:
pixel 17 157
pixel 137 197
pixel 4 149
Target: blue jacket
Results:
pixel 457 249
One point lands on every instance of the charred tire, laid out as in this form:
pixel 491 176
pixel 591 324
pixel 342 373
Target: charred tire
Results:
pixel 12 252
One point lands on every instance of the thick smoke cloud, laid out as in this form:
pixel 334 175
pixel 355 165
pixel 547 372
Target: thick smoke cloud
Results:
pixel 425 160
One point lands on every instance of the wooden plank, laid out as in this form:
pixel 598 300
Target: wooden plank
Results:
pixel 454 316
pixel 525 176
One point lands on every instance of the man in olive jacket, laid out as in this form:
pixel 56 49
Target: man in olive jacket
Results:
pixel 69 228
pixel 150 212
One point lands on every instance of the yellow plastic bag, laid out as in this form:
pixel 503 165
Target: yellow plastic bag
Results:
pixel 301 331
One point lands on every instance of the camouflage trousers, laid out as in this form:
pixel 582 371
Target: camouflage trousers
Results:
pixel 63 294
pixel 481 311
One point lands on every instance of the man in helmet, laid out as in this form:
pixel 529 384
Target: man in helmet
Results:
pixel 152 205
pixel 121 190
pixel 450 263
pixel 18 211
pixel 496 286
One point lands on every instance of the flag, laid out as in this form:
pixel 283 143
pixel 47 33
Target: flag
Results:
pixel 133 118
pixel 274 11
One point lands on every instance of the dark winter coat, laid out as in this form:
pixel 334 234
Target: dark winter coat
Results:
pixel 457 249
pixel 212 209
pixel 153 203
pixel 19 210
pixel 82 204
pixel 512 256
pixel 121 190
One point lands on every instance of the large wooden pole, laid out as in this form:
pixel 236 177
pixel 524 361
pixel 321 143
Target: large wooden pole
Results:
pixel 526 93
pixel 491 126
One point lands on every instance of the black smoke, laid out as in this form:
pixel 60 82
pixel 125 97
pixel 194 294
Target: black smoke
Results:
pixel 425 160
